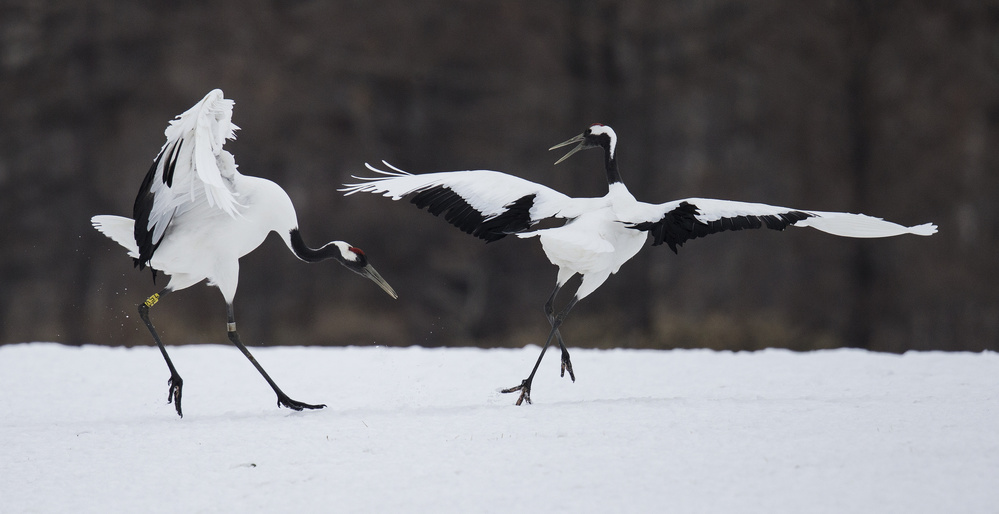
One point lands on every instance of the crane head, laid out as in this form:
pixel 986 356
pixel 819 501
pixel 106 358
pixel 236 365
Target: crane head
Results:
pixel 354 259
pixel 596 136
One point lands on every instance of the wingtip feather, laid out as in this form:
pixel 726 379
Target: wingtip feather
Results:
pixel 926 229
pixel 862 225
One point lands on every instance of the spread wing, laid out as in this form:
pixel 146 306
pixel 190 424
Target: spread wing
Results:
pixel 486 204
pixel 679 221
pixel 191 168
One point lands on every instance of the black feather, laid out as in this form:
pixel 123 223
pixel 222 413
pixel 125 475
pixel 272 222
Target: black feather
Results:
pixel 171 164
pixel 140 213
pixel 680 225
pixel 439 199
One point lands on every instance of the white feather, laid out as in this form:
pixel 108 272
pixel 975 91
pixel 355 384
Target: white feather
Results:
pixel 489 192
pixel 119 229
pixel 203 169
pixel 861 225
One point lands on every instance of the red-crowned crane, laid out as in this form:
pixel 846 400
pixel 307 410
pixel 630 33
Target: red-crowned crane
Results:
pixel 195 216
pixel 601 234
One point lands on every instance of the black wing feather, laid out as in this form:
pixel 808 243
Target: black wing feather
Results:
pixel 680 225
pixel 440 199
pixel 144 205
pixel 171 164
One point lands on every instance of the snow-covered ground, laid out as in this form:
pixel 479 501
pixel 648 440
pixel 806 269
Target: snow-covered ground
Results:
pixel 426 430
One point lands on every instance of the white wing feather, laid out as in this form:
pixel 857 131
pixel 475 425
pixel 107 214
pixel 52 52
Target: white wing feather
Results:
pixel 861 225
pixel 489 192
pixel 203 170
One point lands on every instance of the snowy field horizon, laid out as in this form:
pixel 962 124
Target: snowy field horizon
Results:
pixel 414 429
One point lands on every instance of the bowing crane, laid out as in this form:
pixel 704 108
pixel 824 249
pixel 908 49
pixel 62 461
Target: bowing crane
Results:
pixel 600 234
pixel 195 216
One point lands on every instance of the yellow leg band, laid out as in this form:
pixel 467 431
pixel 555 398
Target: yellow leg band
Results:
pixel 152 300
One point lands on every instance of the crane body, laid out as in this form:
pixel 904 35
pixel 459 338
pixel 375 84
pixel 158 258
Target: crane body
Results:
pixel 599 234
pixel 195 216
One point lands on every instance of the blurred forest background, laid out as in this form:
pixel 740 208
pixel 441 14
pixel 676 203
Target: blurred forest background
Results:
pixel 889 108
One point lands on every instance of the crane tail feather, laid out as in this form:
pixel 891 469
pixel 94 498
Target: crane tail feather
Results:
pixel 119 229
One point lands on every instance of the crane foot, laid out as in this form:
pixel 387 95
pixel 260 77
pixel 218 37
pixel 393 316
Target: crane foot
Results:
pixel 173 395
pixel 525 391
pixel 285 401
pixel 567 365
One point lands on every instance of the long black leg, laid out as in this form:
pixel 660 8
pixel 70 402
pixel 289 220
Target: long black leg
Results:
pixel 283 399
pixel 176 383
pixel 525 385
pixel 550 314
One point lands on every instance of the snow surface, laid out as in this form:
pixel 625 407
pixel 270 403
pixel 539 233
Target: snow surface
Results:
pixel 426 430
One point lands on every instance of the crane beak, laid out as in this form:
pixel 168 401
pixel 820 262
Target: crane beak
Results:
pixel 369 272
pixel 577 139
